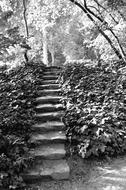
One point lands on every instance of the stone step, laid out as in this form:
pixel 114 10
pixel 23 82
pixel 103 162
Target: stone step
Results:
pixel 42 108
pixel 48 126
pixel 49 169
pixel 50 137
pixel 44 82
pixel 52 68
pixel 49 116
pixel 49 81
pixel 50 152
pixel 49 86
pixel 50 77
pixel 48 99
pixel 52 72
pixel 50 92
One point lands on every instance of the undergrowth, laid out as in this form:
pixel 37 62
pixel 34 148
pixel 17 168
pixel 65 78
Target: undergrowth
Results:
pixel 18 88
pixel 95 101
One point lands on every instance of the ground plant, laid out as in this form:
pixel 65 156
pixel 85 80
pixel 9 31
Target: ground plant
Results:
pixel 18 88
pixel 95 101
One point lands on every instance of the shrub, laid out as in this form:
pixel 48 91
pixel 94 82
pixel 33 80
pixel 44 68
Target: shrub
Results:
pixel 18 91
pixel 95 99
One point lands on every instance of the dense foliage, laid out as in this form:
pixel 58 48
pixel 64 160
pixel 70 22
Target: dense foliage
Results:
pixel 92 30
pixel 95 100
pixel 18 90
pixel 60 27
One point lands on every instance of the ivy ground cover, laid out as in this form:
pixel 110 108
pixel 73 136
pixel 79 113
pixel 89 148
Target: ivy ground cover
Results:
pixel 18 89
pixel 95 101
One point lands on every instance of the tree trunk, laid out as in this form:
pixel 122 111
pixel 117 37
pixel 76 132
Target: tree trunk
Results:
pixel 25 19
pixel 45 48
pixel 53 57
pixel 26 28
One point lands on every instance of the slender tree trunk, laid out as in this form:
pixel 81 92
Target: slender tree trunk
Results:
pixel 52 51
pixel 119 45
pixel 53 57
pixel 117 52
pixel 26 28
pixel 25 19
pixel 111 44
pixel 45 48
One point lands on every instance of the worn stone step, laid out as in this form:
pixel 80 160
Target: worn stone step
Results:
pixel 49 116
pixel 50 77
pixel 49 86
pixel 49 169
pixel 50 92
pixel 52 72
pixel 48 126
pixel 50 137
pixel 42 81
pixel 51 68
pixel 51 151
pixel 42 108
pixel 48 99
pixel 49 81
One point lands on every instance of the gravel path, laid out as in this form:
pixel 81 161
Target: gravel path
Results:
pixel 91 175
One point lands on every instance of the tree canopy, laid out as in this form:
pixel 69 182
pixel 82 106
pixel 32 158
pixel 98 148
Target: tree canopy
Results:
pixel 73 29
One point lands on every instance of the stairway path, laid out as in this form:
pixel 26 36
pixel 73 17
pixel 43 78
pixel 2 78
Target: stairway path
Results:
pixel 48 133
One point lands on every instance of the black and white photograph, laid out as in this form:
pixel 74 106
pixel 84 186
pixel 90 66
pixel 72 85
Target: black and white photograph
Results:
pixel 62 94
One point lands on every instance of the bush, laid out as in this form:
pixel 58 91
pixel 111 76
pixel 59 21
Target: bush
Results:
pixel 18 91
pixel 95 99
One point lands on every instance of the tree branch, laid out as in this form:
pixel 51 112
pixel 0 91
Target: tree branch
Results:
pixel 112 32
pixel 120 47
pixel 98 10
pixel 91 12
pixel 106 11
pixel 100 30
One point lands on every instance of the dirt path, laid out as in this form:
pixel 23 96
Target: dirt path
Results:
pixel 111 176
pixel 91 175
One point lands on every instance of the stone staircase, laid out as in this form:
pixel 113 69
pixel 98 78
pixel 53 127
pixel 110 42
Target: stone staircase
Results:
pixel 49 135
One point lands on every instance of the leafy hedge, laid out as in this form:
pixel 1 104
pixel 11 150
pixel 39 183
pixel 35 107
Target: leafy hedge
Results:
pixel 95 100
pixel 17 92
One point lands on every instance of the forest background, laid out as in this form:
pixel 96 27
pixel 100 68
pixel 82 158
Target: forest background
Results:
pixel 60 30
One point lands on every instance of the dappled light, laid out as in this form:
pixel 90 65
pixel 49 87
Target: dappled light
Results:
pixel 62 94
pixel 110 176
